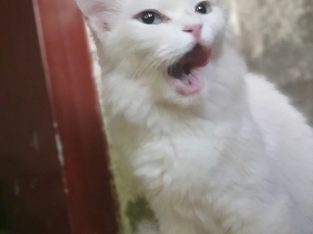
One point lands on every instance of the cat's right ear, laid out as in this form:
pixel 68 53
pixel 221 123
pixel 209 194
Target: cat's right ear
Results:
pixel 98 12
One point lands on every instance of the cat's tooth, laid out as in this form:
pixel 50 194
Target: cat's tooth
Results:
pixel 186 81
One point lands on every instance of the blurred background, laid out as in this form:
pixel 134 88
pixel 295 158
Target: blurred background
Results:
pixel 276 37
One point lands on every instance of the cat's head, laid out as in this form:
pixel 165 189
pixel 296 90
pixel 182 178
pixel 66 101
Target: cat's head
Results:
pixel 165 46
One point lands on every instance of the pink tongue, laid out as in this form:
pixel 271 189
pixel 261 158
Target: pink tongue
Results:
pixel 193 87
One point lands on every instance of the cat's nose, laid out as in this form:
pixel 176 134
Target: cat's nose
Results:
pixel 195 30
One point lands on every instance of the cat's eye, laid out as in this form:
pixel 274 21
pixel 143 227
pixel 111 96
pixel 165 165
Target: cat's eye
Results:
pixel 203 7
pixel 150 17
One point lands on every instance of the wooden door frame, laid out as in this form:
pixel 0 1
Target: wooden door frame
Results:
pixel 53 152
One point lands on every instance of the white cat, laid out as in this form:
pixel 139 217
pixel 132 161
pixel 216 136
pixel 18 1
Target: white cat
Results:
pixel 215 149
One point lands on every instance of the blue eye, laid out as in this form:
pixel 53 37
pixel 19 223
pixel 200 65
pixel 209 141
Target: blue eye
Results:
pixel 203 7
pixel 150 17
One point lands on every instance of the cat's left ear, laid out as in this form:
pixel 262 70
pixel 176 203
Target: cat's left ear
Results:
pixel 99 12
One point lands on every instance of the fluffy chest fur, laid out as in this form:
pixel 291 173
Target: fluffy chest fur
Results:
pixel 209 175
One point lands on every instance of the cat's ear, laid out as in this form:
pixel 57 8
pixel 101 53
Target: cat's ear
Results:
pixel 99 12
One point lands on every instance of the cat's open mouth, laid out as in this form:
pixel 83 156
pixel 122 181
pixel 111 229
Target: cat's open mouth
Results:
pixel 187 80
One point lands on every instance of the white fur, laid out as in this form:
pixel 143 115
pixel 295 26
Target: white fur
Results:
pixel 235 158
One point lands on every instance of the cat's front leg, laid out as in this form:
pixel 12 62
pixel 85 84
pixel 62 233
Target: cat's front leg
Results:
pixel 155 169
pixel 171 222
pixel 147 227
pixel 166 226
pixel 172 226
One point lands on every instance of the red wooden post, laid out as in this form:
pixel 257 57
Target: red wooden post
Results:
pixel 53 155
